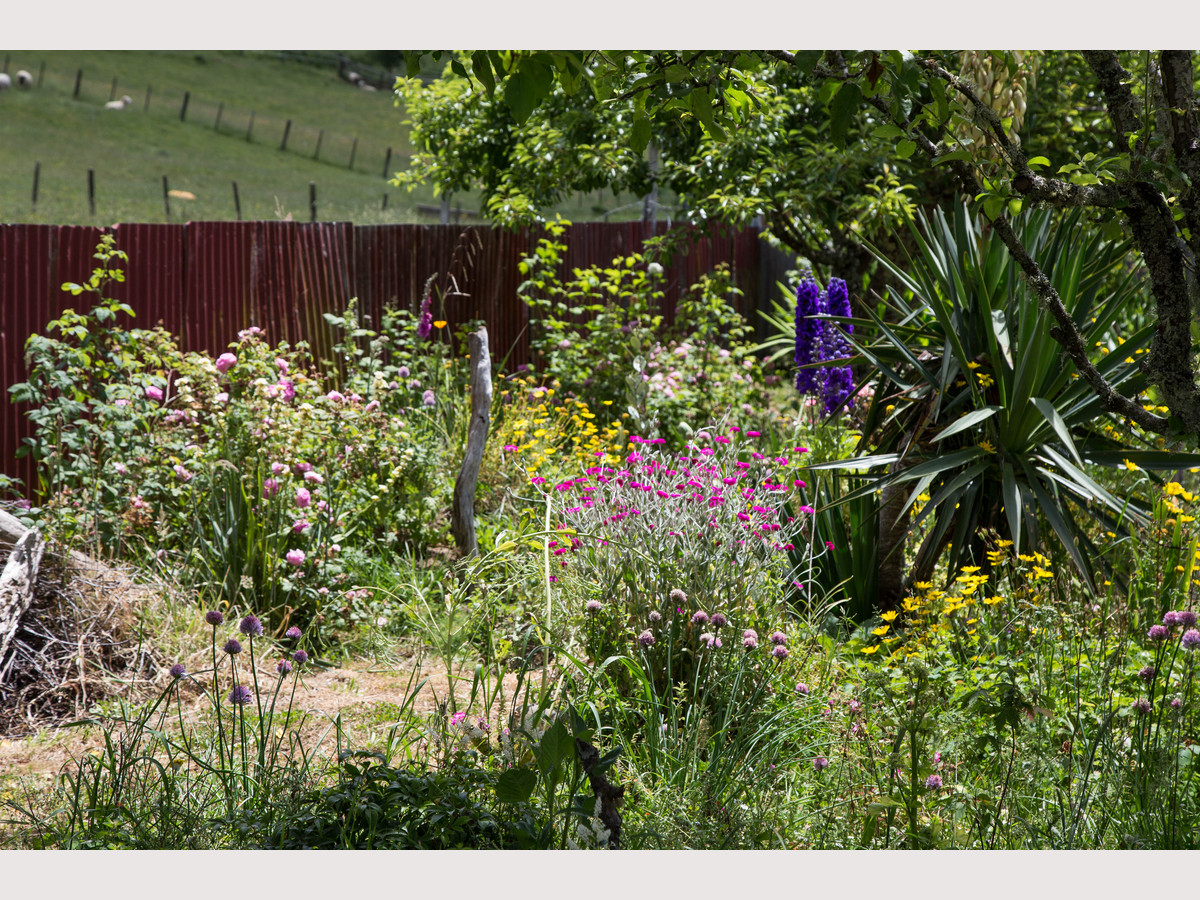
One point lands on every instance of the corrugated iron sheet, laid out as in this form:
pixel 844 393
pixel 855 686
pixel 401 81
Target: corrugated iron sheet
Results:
pixel 205 281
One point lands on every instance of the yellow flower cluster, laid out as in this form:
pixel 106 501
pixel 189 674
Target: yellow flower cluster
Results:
pixel 553 431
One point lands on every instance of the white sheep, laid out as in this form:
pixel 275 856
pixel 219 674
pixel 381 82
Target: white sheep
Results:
pixel 5 81
pixel 353 77
pixel 24 79
pixel 119 104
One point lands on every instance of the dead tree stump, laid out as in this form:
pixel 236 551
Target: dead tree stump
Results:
pixel 462 514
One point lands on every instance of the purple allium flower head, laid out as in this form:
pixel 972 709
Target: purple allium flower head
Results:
pixel 718 620
pixel 778 637
pixel 1170 619
pixel 1142 705
pixel 251 626
pixel 593 606
pixel 283 667
pixel 1187 618
pixel 933 782
pixel 240 695
pixel 178 670
pixel 820 763
pixel 1191 639
pixel 707 639
pixel 403 372
pixel 1176 703
pixel 646 639
pixel 699 617
pixel 678 596
pixel 1147 673
pixel 293 632
pixel 779 651
pixel 750 639
pixel 802 689
pixel 428 399
pixel 1158 632
pixel 655 617
pixel 300 657
pixel 233 647
pixel 225 362
pixel 214 617
pixel 270 488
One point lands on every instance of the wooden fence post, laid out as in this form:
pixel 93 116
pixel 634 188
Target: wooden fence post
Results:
pixel 353 151
pixel 92 191
pixel 312 201
pixel 237 203
pixel 37 170
pixel 166 198
pixel 183 110
pixel 320 137
pixel 78 82
pixel 220 109
pixel 462 513
pixel 286 128
pixel 17 583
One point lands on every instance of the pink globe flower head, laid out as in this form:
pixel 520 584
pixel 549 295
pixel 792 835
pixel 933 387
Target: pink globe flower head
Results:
pixel 334 397
pixel 299 525
pixel 296 557
pixel 303 498
pixel 428 399
pixel 820 763
pixel 750 639
pixel 225 362
pixel 1191 639
pixel 288 389
pixel 933 782
pixel 282 365
pixel 182 473
pixel 314 478
pixel 154 392
pixel 278 468
pixel 270 488
pixel 302 467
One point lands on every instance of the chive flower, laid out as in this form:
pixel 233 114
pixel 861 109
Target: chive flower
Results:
pixel 178 671
pixel 240 695
pixel 233 647
pixel 251 626
pixel 214 617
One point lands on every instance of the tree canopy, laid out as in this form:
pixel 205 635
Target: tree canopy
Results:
pixel 755 132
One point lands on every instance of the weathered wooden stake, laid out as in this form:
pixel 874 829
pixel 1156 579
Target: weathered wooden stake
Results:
pixel 37 171
pixel 237 203
pixel 312 201
pixel 92 191
pixel 166 198
pixel 220 109
pixel 187 95
pixel 286 129
pixel 353 151
pixel 320 137
pixel 462 512
pixel 78 82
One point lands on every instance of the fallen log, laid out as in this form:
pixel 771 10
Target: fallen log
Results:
pixel 11 529
pixel 17 584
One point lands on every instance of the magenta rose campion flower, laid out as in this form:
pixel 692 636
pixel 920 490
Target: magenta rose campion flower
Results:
pixel 295 557
pixel 225 362
pixel 303 498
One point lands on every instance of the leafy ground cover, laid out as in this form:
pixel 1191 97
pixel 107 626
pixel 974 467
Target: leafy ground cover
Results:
pixel 670 637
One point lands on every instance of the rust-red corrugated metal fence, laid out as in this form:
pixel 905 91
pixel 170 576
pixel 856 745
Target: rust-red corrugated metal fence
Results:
pixel 204 281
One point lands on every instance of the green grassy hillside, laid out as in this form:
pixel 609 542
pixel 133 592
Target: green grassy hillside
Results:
pixel 132 150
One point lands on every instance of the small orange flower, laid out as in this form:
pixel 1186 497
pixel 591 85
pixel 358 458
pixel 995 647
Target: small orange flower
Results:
pixel 440 323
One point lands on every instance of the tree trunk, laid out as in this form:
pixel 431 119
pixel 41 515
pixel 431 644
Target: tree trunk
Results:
pixel 462 514
pixel 16 586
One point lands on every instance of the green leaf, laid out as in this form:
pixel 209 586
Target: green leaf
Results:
pixel 806 60
pixel 639 134
pixel 701 102
pixel 887 132
pixel 677 73
pixel 556 745
pixel 515 785
pixel 971 418
pixel 1038 161
pixel 951 156
pixel 905 149
pixel 841 110
pixel 458 69
pixel 528 87
pixel 482 68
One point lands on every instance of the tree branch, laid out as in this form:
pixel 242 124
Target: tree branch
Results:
pixel 1118 99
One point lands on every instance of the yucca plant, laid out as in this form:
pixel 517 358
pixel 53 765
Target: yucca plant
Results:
pixel 977 416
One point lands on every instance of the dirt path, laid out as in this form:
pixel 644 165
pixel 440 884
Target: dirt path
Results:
pixel 368 697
